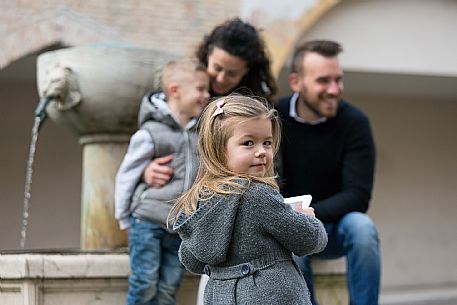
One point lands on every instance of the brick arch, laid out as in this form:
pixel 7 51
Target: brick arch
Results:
pixel 282 35
pixel 58 27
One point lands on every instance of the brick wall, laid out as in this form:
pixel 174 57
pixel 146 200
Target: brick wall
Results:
pixel 27 26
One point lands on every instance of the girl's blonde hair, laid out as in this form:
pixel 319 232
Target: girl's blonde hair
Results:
pixel 214 130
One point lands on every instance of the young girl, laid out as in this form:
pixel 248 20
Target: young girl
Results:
pixel 234 224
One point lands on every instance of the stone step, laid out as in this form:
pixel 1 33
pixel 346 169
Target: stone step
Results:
pixel 420 296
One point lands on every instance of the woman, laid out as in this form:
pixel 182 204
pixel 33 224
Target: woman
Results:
pixel 236 60
pixel 235 56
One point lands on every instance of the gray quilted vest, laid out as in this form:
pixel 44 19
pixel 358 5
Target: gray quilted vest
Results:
pixel 152 203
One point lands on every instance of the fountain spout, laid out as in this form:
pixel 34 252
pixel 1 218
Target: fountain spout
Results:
pixel 40 110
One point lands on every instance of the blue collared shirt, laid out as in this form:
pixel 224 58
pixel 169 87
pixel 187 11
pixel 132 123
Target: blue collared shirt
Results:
pixel 293 113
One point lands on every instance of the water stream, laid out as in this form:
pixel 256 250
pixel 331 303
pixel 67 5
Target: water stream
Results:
pixel 28 181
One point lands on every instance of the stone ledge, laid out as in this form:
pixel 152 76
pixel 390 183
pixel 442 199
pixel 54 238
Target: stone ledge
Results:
pixel 101 278
pixel 28 266
pixel 16 266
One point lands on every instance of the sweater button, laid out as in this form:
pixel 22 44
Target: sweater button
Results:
pixel 245 269
pixel 207 270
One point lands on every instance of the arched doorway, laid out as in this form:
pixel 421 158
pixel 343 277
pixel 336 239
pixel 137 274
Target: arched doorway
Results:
pixel 54 219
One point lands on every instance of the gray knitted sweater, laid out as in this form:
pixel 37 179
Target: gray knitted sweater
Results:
pixel 245 244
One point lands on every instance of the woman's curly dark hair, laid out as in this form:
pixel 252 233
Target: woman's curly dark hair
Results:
pixel 242 40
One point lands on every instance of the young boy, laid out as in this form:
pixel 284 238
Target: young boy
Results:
pixel 167 126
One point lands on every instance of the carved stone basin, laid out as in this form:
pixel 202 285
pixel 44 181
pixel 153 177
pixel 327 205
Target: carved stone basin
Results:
pixel 105 85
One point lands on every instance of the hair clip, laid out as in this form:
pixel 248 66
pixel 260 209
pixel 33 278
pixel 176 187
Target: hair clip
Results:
pixel 219 109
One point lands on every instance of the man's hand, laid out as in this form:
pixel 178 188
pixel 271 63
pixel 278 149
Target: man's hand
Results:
pixel 157 174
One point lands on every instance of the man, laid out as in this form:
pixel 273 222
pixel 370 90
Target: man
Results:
pixel 328 151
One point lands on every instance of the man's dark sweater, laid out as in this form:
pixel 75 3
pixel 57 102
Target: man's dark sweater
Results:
pixel 333 161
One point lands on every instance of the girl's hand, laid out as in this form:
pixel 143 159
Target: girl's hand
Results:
pixel 307 211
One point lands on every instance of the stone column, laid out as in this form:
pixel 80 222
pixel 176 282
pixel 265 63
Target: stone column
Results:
pixel 102 155
pixel 96 91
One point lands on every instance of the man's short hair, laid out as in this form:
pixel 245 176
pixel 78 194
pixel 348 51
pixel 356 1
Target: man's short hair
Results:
pixel 325 48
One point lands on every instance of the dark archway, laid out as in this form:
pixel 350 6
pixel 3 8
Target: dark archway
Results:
pixel 55 203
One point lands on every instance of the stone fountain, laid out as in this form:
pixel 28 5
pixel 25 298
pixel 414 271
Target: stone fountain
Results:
pixel 95 91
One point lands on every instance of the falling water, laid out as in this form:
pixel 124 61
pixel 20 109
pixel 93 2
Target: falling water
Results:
pixel 28 180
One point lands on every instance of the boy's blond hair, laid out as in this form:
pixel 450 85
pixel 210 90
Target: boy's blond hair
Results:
pixel 179 71
pixel 213 133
